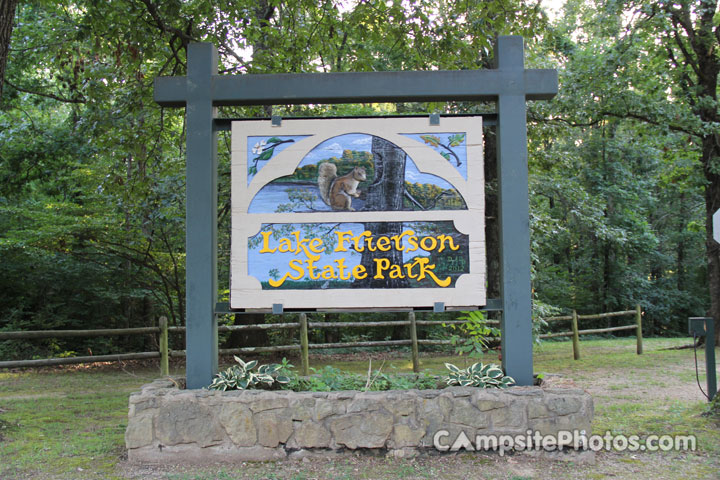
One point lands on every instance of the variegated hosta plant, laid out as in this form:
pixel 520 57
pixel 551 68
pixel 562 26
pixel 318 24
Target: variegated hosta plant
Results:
pixel 242 376
pixel 478 375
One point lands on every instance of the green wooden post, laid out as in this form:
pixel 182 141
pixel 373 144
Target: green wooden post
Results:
pixel 638 319
pixel 164 353
pixel 413 338
pixel 304 353
pixel 576 336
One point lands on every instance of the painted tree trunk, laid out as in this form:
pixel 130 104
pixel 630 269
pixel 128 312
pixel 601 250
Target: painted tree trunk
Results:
pixel 385 193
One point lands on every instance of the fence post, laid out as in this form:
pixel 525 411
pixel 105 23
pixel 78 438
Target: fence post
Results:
pixel 164 357
pixel 638 319
pixel 304 354
pixel 414 340
pixel 576 336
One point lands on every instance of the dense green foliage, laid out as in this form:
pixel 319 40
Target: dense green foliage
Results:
pixel 92 170
pixel 248 375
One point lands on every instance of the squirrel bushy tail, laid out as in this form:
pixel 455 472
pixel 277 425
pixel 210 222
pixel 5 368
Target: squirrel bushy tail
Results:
pixel 327 173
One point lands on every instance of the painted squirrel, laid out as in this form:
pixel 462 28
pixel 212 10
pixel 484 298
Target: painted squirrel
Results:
pixel 336 191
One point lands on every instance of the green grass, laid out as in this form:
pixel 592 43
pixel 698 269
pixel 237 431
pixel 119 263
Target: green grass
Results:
pixel 70 423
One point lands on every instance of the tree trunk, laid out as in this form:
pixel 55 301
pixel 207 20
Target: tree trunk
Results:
pixel 712 204
pixel 705 44
pixel 7 16
pixel 384 194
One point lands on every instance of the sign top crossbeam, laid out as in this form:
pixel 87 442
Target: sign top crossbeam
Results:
pixel 508 78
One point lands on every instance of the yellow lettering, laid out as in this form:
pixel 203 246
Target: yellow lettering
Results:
pixel 266 240
pixel 396 272
pixel 357 239
pixel 413 243
pixel 341 269
pixel 328 272
pixel 383 244
pixel 285 245
pixel 425 268
pixel 398 239
pixel 424 245
pixel 316 245
pixel 443 239
pixel 295 265
pixel 341 240
pixel 409 267
pixel 311 270
pixel 381 264
pixel 302 247
pixel 359 272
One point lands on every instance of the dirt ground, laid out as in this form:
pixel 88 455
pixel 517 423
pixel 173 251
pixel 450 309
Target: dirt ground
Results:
pixel 649 385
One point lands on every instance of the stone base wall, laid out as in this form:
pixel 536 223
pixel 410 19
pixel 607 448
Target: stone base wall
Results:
pixel 166 424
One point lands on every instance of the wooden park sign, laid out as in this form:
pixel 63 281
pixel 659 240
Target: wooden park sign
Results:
pixel 357 213
pixel 331 212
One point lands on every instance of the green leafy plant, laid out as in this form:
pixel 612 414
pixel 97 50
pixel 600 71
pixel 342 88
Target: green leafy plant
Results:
pixel 333 379
pixel 473 336
pixel 478 375
pixel 243 376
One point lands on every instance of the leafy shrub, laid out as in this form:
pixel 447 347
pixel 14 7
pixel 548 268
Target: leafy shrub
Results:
pixel 473 336
pixel 478 375
pixel 242 376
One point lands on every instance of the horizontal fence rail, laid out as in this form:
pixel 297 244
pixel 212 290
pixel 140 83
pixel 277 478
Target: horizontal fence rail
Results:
pixel 575 333
pixel 164 353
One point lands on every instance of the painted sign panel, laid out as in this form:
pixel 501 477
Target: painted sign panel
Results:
pixel 357 214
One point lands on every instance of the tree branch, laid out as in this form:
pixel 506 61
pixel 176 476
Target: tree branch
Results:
pixel 155 14
pixel 626 115
pixel 686 54
pixel 46 95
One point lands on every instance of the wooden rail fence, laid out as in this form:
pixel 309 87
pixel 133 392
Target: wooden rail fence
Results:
pixel 164 353
pixel 575 333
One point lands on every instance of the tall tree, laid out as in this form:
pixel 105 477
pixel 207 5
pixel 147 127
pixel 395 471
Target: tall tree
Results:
pixel 688 35
pixel 7 15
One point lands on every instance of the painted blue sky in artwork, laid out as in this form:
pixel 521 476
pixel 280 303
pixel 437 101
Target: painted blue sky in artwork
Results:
pixel 443 148
pixel 333 147
pixel 257 145
pixel 274 196
pixel 361 142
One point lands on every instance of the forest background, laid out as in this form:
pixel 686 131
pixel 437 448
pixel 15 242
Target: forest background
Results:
pixel 624 162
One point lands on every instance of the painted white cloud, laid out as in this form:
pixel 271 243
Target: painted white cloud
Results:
pixel 364 142
pixel 335 148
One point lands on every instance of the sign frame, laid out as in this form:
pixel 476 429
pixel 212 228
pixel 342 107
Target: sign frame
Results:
pixel 508 84
pixel 466 292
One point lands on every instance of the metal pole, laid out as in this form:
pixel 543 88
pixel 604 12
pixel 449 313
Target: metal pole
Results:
pixel 710 357
pixel 201 218
pixel 638 320
pixel 514 218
